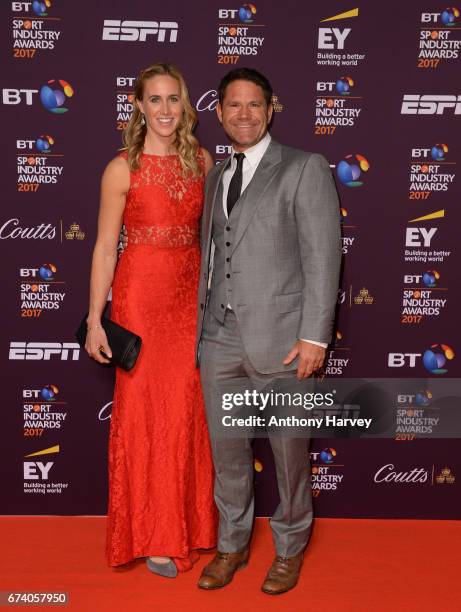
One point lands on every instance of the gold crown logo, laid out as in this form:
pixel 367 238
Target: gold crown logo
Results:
pixel 74 231
pixel 364 297
pixel 278 107
pixel 445 476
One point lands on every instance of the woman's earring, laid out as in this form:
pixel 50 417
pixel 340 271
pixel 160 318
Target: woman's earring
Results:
pixel 143 120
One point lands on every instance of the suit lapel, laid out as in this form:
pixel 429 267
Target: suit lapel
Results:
pixel 251 198
pixel 211 200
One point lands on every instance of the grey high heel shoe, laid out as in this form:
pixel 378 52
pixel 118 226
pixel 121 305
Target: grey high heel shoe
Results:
pixel 169 570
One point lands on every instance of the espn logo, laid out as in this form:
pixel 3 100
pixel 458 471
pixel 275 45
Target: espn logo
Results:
pixel 115 29
pixel 430 104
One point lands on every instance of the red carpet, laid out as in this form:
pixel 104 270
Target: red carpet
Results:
pixel 351 565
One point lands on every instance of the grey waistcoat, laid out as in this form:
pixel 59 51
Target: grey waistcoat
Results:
pixel 223 232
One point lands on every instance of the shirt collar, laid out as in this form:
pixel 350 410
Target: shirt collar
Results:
pixel 254 154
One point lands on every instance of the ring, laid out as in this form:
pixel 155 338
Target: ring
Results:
pixel 101 348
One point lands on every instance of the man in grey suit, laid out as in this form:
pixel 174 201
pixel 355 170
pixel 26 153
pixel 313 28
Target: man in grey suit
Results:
pixel 271 216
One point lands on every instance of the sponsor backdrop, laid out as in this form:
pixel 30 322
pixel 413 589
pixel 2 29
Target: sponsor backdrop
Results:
pixel 373 89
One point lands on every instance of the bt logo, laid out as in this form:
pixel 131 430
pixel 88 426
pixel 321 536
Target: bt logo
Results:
pixel 126 81
pixel 437 152
pixel 429 278
pixel 245 13
pixel 223 149
pixel 39 8
pixel 47 393
pixel 350 169
pixel 448 17
pixel 421 398
pixel 342 86
pixel 46 272
pixel 42 144
pixel 434 359
pixel 52 95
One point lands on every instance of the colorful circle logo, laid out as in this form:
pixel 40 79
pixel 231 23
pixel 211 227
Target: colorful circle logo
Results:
pixel 49 392
pixel 422 398
pixel 436 357
pixel 328 455
pixel 40 8
pixel 247 12
pixel 344 85
pixel 430 278
pixel 350 169
pixel 449 16
pixel 47 271
pixel 53 98
pixel 439 151
pixel 44 143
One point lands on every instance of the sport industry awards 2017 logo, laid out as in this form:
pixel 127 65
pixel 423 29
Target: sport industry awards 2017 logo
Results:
pixel 239 33
pixel 439 40
pixel 124 100
pixel 416 415
pixel 431 171
pixel 337 105
pixel 41 292
pixel 43 410
pixel 38 163
pixel 424 299
pixel 326 473
pixel 35 28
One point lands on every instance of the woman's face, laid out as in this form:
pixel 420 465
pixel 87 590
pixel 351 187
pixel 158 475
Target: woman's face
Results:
pixel 162 106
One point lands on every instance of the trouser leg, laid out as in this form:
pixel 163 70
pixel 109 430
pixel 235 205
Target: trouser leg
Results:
pixel 222 371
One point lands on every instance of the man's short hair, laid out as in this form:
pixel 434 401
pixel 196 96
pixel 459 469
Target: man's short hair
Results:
pixel 245 74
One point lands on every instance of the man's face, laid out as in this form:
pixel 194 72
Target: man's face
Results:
pixel 244 114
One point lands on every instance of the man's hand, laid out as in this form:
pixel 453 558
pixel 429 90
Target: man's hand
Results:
pixel 311 358
pixel 122 240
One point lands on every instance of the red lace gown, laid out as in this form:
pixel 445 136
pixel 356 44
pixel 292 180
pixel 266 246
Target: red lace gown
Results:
pixel 160 469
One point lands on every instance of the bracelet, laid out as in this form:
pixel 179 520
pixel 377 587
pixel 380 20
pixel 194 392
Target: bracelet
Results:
pixel 89 328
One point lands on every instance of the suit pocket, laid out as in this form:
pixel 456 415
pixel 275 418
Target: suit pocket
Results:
pixel 290 302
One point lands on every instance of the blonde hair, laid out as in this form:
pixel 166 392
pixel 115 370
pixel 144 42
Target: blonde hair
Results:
pixel 185 142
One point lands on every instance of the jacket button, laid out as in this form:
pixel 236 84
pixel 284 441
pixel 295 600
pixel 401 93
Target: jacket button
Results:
pixel 227 258
pixel 222 305
pixel 227 243
pixel 228 229
pixel 227 275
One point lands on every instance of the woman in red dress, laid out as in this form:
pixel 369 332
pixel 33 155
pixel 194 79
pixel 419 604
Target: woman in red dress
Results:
pixel 160 471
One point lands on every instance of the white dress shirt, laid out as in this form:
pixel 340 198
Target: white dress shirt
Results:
pixel 253 156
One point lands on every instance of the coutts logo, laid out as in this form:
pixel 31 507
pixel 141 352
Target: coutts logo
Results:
pixel 12 229
pixel 387 473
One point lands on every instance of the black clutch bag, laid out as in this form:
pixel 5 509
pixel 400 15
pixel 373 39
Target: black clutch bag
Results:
pixel 125 345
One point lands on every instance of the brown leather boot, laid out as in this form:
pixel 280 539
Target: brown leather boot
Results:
pixel 222 568
pixel 283 574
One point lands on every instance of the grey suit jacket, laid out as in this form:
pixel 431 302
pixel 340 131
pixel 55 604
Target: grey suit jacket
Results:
pixel 285 257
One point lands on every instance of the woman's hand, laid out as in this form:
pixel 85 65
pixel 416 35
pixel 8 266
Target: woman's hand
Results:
pixel 96 343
